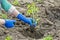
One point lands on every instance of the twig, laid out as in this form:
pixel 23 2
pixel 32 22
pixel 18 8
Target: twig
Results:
pixel 49 21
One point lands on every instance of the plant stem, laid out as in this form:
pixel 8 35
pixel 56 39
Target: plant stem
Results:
pixel 33 16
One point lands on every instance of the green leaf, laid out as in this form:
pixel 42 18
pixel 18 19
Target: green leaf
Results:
pixel 49 37
pixel 37 20
pixel 28 6
pixel 8 38
pixel 29 12
pixel 31 8
pixel 4 16
pixel 15 2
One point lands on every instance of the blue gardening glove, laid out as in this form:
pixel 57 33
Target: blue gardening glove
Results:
pixel 9 23
pixel 26 20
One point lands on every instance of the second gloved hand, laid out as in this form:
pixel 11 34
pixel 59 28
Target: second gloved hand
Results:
pixel 9 23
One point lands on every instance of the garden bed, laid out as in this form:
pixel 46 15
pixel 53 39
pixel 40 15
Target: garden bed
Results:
pixel 49 23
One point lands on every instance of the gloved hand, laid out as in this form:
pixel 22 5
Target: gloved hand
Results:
pixel 26 20
pixel 9 23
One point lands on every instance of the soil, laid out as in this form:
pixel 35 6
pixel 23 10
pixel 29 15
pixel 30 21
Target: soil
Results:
pixel 49 23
